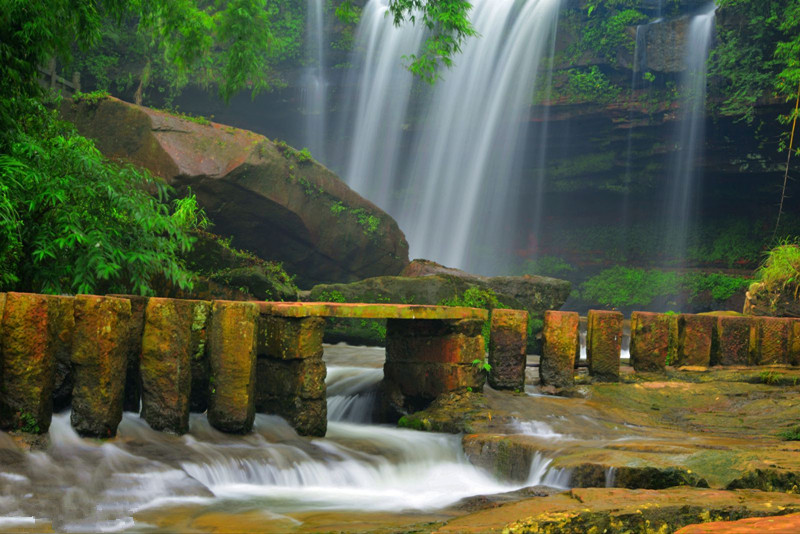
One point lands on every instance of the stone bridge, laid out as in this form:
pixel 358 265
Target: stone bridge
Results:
pixel 166 358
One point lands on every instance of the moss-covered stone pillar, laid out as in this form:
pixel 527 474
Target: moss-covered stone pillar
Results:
pixel 133 347
pixel 62 327
pixel 28 364
pixel 198 353
pixel 508 343
pixel 291 372
pixel 772 342
pixel 232 362
pixel 650 341
pixel 794 353
pixel 426 358
pixel 604 344
pixel 732 341
pixel 695 334
pixel 560 348
pixel 166 364
pixel 99 363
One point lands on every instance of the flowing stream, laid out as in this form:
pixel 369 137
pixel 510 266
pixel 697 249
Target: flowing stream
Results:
pixel 82 485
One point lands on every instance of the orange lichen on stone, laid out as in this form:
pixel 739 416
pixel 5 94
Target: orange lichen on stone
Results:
pixel 289 338
pixel 28 364
pixel 99 362
pixel 650 341
pixel 371 311
pixel 232 358
pixel 695 333
pixel 508 344
pixel 604 344
pixel 561 346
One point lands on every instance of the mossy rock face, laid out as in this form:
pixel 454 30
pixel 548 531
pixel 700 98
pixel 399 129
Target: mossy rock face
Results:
pixel 99 362
pixel 28 364
pixel 768 480
pixel 319 228
pixel 561 346
pixel 232 358
pixel 603 344
pixel 650 342
pixel 452 413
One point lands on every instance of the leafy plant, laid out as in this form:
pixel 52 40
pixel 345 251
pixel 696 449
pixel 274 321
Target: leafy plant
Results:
pixel 792 434
pixel 483 364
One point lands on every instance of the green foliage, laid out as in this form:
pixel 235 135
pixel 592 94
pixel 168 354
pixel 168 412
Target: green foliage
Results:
pixel 304 157
pixel 590 85
pixel 475 297
pixel 369 222
pixel 27 423
pixel 338 208
pixel 483 364
pixel 188 214
pixel 792 434
pixel 546 266
pixel 332 296
pixel 624 287
pixel 92 98
pixel 73 222
pixel 781 267
pixel 446 21
pixel 604 33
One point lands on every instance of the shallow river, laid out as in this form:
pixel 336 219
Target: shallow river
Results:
pixel 82 485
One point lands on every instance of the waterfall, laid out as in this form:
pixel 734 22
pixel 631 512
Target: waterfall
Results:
pixel 314 84
pixel 687 165
pixel 455 194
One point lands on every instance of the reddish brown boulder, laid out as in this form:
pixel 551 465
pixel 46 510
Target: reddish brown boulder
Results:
pixel 561 345
pixel 508 344
pixel 773 341
pixel 650 341
pixel 695 335
pixel 99 363
pixel 604 344
pixel 26 390
pixel 133 347
pixel 732 341
pixel 320 229
pixel 61 323
pixel 232 359
pixel 166 369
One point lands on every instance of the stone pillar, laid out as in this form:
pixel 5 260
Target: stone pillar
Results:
pixel 604 344
pixel 732 340
pixel 232 361
pixel 291 372
pixel 772 341
pixel 650 341
pixel 561 344
pixel 695 333
pixel 28 364
pixel 99 363
pixel 508 345
pixel 794 353
pixel 166 365
pixel 62 328
pixel 426 358
pixel 133 348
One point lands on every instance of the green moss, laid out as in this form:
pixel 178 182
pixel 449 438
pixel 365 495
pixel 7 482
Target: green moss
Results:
pixel 92 98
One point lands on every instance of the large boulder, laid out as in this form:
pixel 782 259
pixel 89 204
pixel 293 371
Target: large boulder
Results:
pixel 762 300
pixel 273 200
pixel 426 282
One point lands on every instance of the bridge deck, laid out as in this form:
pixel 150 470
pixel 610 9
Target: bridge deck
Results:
pixel 370 311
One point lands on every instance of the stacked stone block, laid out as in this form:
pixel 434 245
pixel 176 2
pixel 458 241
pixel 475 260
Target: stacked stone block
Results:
pixel 232 362
pixel 695 334
pixel 560 349
pixel 426 358
pixel 291 373
pixel 508 342
pixel 732 341
pixel 772 342
pixel 650 341
pixel 604 344
pixel 99 363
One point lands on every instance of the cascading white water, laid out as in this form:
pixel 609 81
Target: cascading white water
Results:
pixel 687 165
pixel 315 85
pixel 455 193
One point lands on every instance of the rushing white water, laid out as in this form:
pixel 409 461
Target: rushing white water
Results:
pixel 455 192
pixel 315 85
pixel 687 165
pixel 81 485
